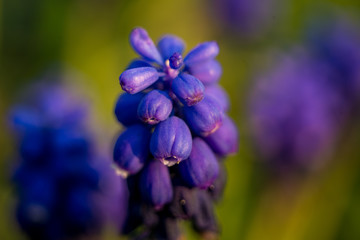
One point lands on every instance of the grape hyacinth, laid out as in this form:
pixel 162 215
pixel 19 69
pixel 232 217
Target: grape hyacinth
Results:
pixel 64 186
pixel 172 107
pixel 295 114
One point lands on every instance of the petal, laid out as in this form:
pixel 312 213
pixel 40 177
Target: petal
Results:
pixel 131 149
pixel 188 89
pixel 203 118
pixel 143 45
pixel 226 139
pixel 208 72
pixel 202 52
pixel 137 79
pixel 155 184
pixel 170 44
pixel 126 108
pixel 171 141
pixel 201 168
pixel 156 106
pixel 217 93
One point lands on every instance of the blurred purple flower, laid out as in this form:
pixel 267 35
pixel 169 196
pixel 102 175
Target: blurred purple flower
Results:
pixel 294 113
pixel 62 191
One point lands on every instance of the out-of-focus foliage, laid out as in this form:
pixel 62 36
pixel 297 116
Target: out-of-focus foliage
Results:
pixel 91 38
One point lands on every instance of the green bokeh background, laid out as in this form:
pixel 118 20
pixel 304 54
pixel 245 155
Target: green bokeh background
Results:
pixel 89 39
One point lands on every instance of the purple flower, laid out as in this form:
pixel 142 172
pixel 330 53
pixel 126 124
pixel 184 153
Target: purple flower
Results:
pixel 225 140
pixel 201 168
pixel 156 106
pixel 170 87
pixel 56 180
pixel 205 117
pixel 188 89
pixel 137 79
pixel 155 184
pixel 143 45
pixel 132 149
pixel 294 116
pixel 176 60
pixel 168 45
pixel 217 93
pixel 126 108
pixel 171 141
pixel 208 72
pixel 202 53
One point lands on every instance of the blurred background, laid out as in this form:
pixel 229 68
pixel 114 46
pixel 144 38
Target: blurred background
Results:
pixel 300 184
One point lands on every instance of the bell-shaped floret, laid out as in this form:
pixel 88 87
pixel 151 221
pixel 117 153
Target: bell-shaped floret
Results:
pixel 171 141
pixel 188 89
pixel 143 45
pixel 226 139
pixel 156 106
pixel 137 79
pixel 217 93
pixel 203 52
pixel 208 72
pixel 132 149
pixel 155 184
pixel 204 118
pixel 170 44
pixel 126 108
pixel 201 168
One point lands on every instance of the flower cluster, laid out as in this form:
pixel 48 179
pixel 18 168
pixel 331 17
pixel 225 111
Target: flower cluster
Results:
pixel 295 117
pixel 59 179
pixel 177 128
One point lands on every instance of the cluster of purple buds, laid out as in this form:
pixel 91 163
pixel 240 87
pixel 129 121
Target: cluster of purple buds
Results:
pixel 177 130
pixel 59 183
pixel 295 114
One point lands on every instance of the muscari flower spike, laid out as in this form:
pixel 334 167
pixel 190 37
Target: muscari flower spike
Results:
pixel 177 103
pixel 295 118
pixel 58 176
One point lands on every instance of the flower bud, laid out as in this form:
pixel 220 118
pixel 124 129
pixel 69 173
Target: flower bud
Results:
pixel 176 61
pixel 143 45
pixel 184 204
pixel 203 118
pixel 217 93
pixel 205 219
pixel 126 108
pixel 131 149
pixel 226 139
pixel 137 79
pixel 188 89
pixel 202 52
pixel 156 106
pixel 171 141
pixel 170 44
pixel 208 72
pixel 201 168
pixel 155 184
